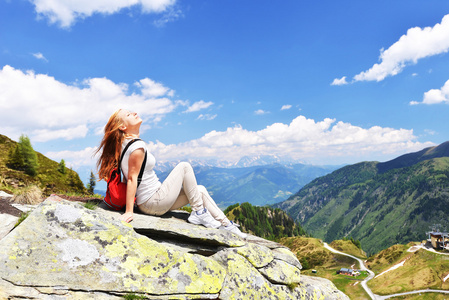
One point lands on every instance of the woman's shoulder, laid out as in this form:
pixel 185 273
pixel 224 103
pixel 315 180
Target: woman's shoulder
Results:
pixel 135 145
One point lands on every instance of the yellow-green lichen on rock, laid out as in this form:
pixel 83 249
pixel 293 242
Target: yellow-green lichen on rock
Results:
pixel 245 282
pixel 257 255
pixel 103 255
pixel 64 249
pixel 281 272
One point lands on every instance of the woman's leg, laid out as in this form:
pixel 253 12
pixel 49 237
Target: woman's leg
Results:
pixel 208 202
pixel 180 201
pixel 180 178
pixel 212 207
pixel 180 188
pixel 218 215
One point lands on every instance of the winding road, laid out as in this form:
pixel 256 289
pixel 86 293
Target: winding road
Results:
pixel 371 276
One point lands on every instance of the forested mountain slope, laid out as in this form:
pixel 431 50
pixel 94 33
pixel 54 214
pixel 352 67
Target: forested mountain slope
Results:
pixel 380 204
pixel 265 221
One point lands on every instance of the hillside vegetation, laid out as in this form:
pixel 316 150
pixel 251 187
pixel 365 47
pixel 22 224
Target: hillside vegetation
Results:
pixel 399 268
pixel 380 204
pixel 47 176
pixel 263 221
pixel 417 270
pixel 318 261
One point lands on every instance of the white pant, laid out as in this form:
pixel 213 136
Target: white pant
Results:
pixel 178 189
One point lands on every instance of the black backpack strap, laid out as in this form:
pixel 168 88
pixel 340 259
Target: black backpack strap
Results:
pixel 119 169
pixel 142 168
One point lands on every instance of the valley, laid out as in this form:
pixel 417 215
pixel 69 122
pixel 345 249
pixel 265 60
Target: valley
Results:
pixel 258 184
pixel 399 272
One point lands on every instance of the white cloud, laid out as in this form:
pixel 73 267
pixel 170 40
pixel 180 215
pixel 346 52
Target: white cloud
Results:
pixel 435 96
pixel 40 56
pixel 321 142
pixel 46 109
pixel 171 15
pixel 286 107
pixel 260 112
pixel 207 117
pixel 65 13
pixel 430 131
pixel 75 159
pixel 199 105
pixel 150 88
pixel 44 135
pixel 416 44
pixel 341 81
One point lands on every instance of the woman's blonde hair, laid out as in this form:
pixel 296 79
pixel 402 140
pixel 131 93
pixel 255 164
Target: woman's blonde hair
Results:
pixel 110 146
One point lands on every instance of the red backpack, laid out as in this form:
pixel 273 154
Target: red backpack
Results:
pixel 116 192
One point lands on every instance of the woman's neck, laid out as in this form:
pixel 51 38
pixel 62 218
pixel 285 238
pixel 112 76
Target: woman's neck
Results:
pixel 131 136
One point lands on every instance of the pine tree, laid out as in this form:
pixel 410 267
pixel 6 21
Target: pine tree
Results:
pixel 15 159
pixel 92 183
pixel 61 167
pixel 29 155
pixel 23 157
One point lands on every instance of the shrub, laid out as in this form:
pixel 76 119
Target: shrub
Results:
pixel 28 195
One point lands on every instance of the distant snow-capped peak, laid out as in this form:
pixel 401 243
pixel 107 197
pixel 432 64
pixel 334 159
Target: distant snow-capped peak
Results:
pixel 244 162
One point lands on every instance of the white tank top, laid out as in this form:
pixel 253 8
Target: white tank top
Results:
pixel 150 182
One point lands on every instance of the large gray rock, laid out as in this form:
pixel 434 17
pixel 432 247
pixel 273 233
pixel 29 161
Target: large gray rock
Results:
pixel 7 223
pixel 64 251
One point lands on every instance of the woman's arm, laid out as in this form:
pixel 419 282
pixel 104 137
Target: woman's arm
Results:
pixel 134 164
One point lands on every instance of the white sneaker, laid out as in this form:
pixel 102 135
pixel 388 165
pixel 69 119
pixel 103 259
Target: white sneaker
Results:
pixel 234 228
pixel 203 217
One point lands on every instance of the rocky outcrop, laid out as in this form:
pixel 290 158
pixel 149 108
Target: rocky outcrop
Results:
pixel 65 250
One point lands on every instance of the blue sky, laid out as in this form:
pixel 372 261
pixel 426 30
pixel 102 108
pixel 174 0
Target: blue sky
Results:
pixel 322 82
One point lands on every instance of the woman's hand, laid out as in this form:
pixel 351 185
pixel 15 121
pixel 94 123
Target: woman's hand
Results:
pixel 127 217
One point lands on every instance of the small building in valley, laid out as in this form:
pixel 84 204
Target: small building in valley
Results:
pixel 438 240
pixel 349 272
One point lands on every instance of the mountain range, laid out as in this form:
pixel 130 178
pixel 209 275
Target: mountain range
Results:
pixel 380 204
pixel 258 183
pixel 243 162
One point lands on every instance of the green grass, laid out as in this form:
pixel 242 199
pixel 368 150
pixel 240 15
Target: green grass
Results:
pixel 187 208
pixel 91 205
pixel 349 285
pixel 327 264
pixel 421 270
pixel 348 247
pixel 22 218
pixel 388 257
pixel 134 297
pixel 423 296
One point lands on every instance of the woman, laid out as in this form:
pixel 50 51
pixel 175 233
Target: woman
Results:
pixel 152 196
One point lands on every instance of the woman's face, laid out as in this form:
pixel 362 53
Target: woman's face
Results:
pixel 130 120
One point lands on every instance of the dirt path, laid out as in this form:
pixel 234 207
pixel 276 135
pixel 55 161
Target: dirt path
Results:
pixel 362 267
